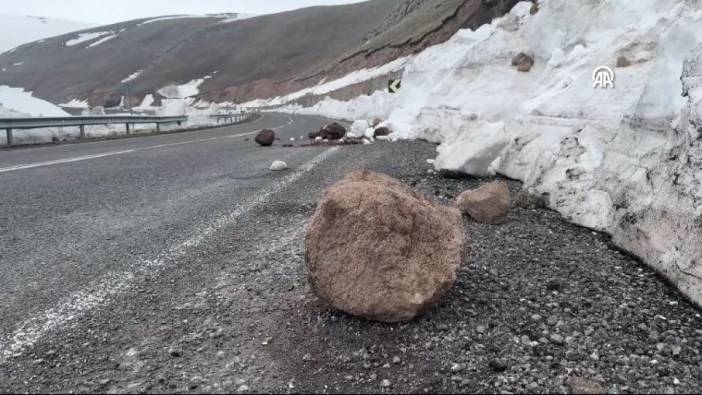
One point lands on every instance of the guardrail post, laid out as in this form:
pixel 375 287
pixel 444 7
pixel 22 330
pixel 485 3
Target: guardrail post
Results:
pixel 9 136
pixel 158 127
pixel 127 128
pixel 82 131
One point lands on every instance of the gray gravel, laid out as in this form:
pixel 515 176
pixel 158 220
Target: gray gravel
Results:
pixel 540 306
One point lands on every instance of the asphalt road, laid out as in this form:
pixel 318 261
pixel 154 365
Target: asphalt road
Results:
pixel 175 263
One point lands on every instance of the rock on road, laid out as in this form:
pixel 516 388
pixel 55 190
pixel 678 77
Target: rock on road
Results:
pixel 175 263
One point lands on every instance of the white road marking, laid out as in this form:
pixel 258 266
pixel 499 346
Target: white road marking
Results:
pixel 101 293
pixel 129 151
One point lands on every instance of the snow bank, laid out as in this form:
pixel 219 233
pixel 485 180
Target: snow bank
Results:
pixel 626 160
pixel 21 101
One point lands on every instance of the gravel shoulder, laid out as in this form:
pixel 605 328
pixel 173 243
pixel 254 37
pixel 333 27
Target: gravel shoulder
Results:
pixel 540 306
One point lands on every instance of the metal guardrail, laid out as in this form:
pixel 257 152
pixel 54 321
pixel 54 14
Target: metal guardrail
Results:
pixel 12 124
pixel 235 118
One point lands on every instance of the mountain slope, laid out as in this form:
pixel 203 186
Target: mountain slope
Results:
pixel 238 61
pixel 16 30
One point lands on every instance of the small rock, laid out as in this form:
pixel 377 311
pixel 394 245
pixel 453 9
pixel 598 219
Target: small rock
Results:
pixel 498 365
pixel 583 386
pixel 456 368
pixel 307 357
pixel 382 132
pixel 489 204
pixel 175 353
pixel 622 61
pixel 397 360
pixel 279 166
pixel 265 138
pixel 557 339
pixel 523 61
pixel 386 383
pixel 243 388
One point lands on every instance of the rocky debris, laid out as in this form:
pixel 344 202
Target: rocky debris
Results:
pixel 622 61
pixel 314 135
pixel 523 61
pixel 376 122
pixel 279 166
pixel 534 8
pixel 489 204
pixel 382 132
pixel 265 138
pixel 333 131
pixel 377 249
pixel 528 201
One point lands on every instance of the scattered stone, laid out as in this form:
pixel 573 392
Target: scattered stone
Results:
pixel 243 388
pixel 525 200
pixel 534 8
pixel 403 256
pixel 386 383
pixel 397 360
pixel 557 339
pixel 382 132
pixel 489 204
pixel 622 61
pixel 333 131
pixel 582 386
pixel 554 285
pixel 315 135
pixel 265 138
pixel 279 166
pixel 498 365
pixel 307 357
pixel 523 61
pixel 175 353
pixel 456 368
pixel 376 122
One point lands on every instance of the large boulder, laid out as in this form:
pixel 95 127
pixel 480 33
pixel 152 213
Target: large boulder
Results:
pixel 333 131
pixel 489 204
pixel 377 249
pixel 265 137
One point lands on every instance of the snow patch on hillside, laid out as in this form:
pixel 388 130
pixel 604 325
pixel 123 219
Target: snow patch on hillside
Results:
pixel 187 90
pixel 331 86
pixel 16 30
pixel 626 161
pixel 133 76
pixel 85 37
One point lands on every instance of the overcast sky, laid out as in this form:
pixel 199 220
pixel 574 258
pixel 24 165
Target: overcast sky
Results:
pixel 101 12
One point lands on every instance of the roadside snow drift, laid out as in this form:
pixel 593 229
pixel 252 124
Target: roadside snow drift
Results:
pixel 627 160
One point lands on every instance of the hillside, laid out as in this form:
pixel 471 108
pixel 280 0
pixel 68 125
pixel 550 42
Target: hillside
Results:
pixel 226 59
pixel 16 30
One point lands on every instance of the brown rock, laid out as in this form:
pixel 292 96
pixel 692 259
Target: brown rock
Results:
pixel 534 8
pixel 523 61
pixel 622 61
pixel 265 137
pixel 489 204
pixel 377 249
pixel 379 132
pixel 333 131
